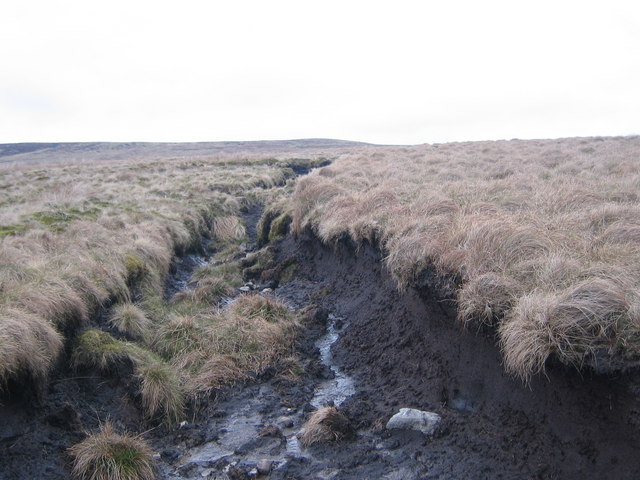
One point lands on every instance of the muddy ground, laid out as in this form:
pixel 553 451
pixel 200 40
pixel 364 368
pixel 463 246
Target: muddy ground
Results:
pixel 404 349
pixel 400 349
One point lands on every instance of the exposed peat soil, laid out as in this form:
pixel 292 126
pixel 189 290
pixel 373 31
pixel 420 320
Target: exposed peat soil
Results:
pixel 370 349
pixel 404 349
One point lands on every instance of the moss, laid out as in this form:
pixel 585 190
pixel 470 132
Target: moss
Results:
pixel 256 263
pixel 279 227
pixel 6 230
pixel 287 272
pixel 57 219
pixel 135 267
pixel 101 203
pixel 86 214
pixel 52 218
pixel 264 226
pixel 97 349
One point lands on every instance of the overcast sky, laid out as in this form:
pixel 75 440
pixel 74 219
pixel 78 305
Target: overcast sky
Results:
pixel 400 72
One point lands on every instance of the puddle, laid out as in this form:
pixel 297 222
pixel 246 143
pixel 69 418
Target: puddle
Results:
pixel 336 390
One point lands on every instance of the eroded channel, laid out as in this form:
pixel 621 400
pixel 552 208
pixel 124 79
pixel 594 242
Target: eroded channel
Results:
pixel 256 428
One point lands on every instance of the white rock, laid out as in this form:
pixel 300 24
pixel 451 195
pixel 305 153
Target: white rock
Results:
pixel 412 419
pixel 245 289
pixel 264 466
pixel 267 290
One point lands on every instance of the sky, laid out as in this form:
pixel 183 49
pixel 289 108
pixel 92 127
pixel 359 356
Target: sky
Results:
pixel 393 72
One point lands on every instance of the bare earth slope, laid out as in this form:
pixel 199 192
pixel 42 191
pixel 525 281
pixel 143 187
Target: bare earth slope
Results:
pixel 404 350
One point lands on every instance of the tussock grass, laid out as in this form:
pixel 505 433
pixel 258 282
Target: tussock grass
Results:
pixel 541 237
pixel 131 320
pixel 327 424
pixel 29 345
pixel 77 236
pixel 160 389
pixel 213 349
pixel 108 455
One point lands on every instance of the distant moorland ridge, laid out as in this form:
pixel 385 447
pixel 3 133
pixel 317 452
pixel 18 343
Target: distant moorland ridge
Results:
pixel 91 151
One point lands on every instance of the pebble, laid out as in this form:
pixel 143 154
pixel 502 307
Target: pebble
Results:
pixel 245 289
pixel 264 466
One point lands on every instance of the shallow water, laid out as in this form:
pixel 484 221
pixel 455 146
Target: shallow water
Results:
pixel 335 390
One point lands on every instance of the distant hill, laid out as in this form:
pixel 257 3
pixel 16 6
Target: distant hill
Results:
pixel 91 151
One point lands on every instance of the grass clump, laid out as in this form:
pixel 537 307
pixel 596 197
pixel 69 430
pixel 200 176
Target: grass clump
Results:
pixel 327 424
pixel 97 232
pixel 129 319
pixel 160 389
pixel 108 455
pixel 180 333
pixel 257 306
pixel 222 348
pixel 212 282
pixel 29 346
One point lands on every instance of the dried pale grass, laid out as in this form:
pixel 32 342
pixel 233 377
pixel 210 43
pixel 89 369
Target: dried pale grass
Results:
pixel 530 229
pixel 486 299
pixel 572 325
pixel 229 229
pixel 327 424
pixel 76 236
pixel 131 320
pixel 160 390
pixel 29 346
pixel 108 455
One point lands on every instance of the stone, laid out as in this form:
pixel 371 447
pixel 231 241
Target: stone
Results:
pixel 412 419
pixel 245 289
pixel 267 290
pixel 264 466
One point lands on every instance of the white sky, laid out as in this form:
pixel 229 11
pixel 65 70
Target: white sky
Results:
pixel 399 72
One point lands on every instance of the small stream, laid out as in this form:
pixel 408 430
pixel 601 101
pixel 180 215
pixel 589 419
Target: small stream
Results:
pixel 237 435
pixel 183 268
pixel 336 390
